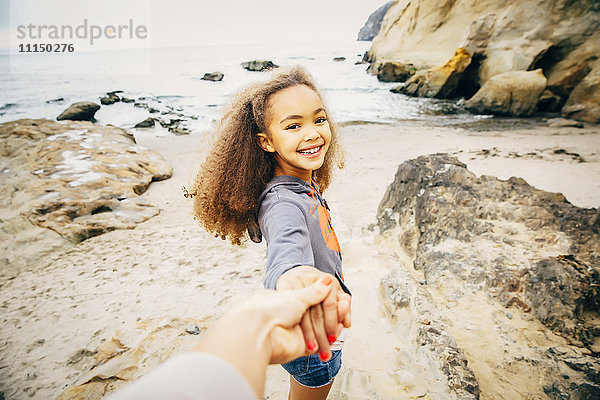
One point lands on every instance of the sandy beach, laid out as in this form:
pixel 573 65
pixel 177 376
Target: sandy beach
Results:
pixel 56 313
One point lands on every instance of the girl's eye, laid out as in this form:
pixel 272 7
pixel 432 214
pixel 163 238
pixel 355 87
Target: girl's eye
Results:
pixel 320 120
pixel 292 126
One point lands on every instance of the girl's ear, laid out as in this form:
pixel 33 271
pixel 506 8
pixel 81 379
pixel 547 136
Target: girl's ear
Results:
pixel 265 143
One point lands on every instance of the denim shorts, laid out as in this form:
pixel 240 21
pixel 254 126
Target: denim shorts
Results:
pixel 312 372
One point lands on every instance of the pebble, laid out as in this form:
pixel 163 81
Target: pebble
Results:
pixel 192 329
pixel 508 315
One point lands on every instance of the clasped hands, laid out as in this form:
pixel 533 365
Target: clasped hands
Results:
pixel 320 324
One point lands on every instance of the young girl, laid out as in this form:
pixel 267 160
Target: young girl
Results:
pixel 274 154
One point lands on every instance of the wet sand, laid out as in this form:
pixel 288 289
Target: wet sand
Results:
pixel 57 312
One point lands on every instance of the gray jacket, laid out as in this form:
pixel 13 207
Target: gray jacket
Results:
pixel 295 221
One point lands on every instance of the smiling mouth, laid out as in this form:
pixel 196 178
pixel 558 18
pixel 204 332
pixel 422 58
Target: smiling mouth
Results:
pixel 310 152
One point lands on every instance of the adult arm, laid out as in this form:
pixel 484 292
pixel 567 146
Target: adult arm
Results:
pixel 231 359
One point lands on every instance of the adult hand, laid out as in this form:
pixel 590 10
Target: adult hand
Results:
pixel 324 322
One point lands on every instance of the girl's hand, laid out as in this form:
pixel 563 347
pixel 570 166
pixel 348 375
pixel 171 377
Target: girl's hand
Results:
pixel 279 314
pixel 324 322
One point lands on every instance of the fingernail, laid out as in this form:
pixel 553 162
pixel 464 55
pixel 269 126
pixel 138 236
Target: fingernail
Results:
pixel 324 355
pixel 331 338
pixel 311 346
pixel 327 280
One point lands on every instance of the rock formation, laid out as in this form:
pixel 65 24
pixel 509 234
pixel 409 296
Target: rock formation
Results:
pixel 562 40
pixel 440 82
pixel 523 248
pixel 81 111
pixel 66 182
pixel 511 93
pixel 373 24
pixel 131 353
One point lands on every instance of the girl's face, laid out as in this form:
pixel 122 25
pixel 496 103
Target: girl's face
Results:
pixel 298 131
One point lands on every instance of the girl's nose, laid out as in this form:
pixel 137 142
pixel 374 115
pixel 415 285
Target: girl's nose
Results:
pixel 311 134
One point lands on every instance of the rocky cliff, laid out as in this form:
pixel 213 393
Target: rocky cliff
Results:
pixel 559 37
pixel 479 240
pixel 64 182
pixel 373 24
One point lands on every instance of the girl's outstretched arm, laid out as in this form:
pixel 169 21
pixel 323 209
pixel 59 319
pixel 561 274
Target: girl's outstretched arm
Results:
pixel 322 325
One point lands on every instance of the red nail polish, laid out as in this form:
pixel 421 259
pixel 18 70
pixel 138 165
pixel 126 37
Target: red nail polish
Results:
pixel 331 338
pixel 311 346
pixel 324 355
pixel 327 280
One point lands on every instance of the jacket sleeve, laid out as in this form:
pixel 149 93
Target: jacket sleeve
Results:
pixel 189 376
pixel 288 240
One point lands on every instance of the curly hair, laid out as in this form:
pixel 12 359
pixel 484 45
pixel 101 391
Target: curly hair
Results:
pixel 237 169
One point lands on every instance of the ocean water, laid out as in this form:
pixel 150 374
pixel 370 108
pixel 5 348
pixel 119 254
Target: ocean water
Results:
pixel 169 80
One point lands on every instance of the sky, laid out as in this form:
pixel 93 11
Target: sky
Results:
pixel 191 22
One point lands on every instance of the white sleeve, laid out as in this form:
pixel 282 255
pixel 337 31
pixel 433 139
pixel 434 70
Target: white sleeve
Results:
pixel 189 376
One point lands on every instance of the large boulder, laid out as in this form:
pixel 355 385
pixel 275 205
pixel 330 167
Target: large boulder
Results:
pixel 440 82
pixel 69 181
pixel 502 243
pixel 81 111
pixel 513 93
pixel 373 24
pixel 584 102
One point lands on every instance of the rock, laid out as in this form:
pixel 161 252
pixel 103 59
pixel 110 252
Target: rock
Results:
pixel 339 58
pixel 373 24
pixel 192 329
pixel 563 123
pixel 179 130
pixel 127 100
pixel 559 289
pixel 111 98
pixel 147 123
pixel 213 76
pixel 513 93
pixel 549 102
pixel 153 110
pixel 400 291
pixel 397 89
pixel 565 67
pixel 393 71
pixel 57 100
pixel 130 354
pixel 582 380
pixel 76 179
pixel 584 102
pixel 456 223
pixel 82 111
pixel 439 82
pixel 106 101
pixel 259 65
pixel 563 40
pixel 174 126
